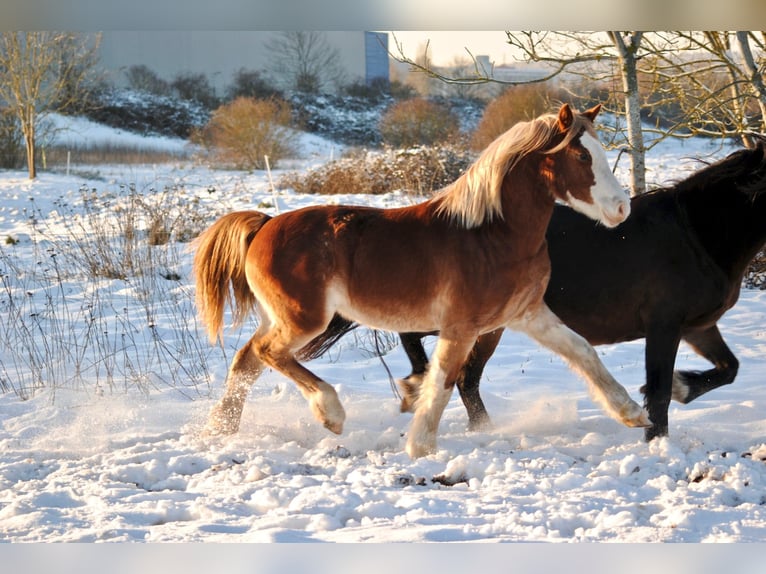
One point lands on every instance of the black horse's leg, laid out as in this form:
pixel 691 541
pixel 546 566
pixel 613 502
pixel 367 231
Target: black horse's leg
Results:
pixel 413 347
pixel 470 377
pixel 662 342
pixel 688 385
pixel 410 385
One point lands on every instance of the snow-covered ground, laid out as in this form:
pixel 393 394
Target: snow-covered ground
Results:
pixel 110 449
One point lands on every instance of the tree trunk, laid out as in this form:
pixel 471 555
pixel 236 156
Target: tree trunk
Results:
pixel 28 129
pixel 756 79
pixel 629 75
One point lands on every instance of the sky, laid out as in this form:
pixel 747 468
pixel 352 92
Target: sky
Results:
pixel 445 47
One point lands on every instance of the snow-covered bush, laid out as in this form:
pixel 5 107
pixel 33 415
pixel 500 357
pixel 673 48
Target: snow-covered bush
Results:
pixel 147 113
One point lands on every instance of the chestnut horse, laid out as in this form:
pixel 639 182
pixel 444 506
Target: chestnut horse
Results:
pixel 469 260
pixel 667 274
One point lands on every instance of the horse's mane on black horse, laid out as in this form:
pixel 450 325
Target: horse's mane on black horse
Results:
pixel 666 274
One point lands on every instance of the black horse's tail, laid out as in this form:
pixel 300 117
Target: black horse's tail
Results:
pixel 318 346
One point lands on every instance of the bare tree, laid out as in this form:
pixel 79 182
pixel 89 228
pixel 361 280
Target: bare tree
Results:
pixel 642 74
pixel 42 72
pixel 584 54
pixel 306 59
pixel 715 79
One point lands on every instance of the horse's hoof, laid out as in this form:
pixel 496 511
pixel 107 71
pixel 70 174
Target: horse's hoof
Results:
pixel 640 420
pixel 220 424
pixel 420 449
pixel 336 427
pixel 481 425
pixel 216 430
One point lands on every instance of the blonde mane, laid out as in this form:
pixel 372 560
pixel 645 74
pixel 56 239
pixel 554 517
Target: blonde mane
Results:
pixel 475 197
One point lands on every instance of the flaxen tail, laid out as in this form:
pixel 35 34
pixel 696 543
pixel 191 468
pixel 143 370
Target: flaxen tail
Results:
pixel 219 260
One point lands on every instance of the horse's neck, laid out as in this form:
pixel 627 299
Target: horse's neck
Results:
pixel 527 210
pixel 731 228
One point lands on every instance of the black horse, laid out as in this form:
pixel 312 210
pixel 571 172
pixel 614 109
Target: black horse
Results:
pixel 666 274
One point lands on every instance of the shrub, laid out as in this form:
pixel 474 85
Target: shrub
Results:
pixel 142 78
pixel 416 170
pixel 755 275
pixel 148 113
pixel 195 88
pixel 251 84
pixel 418 122
pixel 516 104
pixel 401 91
pixel 345 119
pixel 373 91
pixel 245 130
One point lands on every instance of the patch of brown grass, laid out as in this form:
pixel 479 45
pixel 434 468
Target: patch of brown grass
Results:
pixel 419 171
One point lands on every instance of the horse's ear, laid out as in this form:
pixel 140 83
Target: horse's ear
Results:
pixel 566 117
pixel 592 113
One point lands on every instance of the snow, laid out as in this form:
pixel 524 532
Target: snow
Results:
pixel 107 443
pixel 81 132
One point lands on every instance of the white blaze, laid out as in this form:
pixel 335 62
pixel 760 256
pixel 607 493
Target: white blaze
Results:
pixel 611 204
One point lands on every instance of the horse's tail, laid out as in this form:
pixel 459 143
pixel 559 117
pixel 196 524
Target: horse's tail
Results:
pixel 221 252
pixel 319 345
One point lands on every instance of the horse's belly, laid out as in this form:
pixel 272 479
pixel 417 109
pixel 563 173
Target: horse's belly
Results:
pixel 394 315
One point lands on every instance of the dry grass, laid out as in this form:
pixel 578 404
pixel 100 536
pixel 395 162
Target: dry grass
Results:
pixel 57 156
pixel 145 338
pixel 419 171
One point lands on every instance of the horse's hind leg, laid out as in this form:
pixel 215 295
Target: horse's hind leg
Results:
pixel 470 377
pixel 410 385
pixel 276 350
pixel 688 385
pixel 243 372
pixel 467 380
pixel 547 329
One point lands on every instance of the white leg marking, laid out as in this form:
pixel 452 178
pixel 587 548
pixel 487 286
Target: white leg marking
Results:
pixel 434 396
pixel 548 330
pixel 428 411
pixel 326 407
pixel 680 389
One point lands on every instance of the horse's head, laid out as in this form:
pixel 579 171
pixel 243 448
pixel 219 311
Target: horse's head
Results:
pixel 578 173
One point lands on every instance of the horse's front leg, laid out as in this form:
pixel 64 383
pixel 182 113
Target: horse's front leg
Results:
pixel 662 340
pixel 547 329
pixel 435 392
